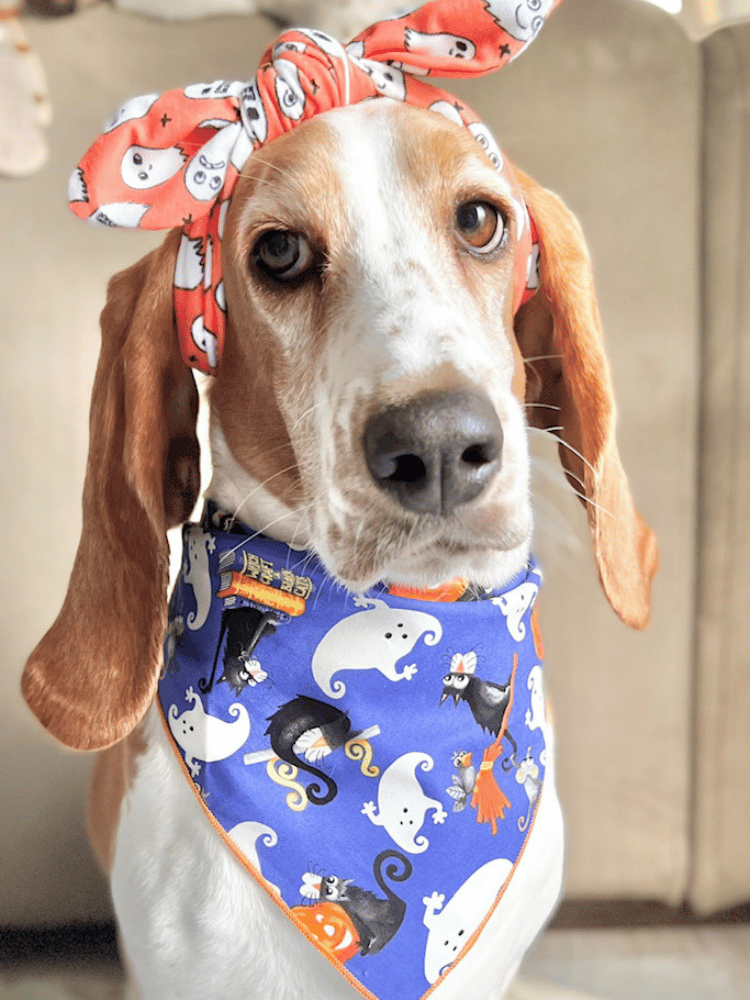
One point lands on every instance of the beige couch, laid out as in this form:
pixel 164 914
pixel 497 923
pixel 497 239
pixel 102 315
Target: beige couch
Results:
pixel 641 130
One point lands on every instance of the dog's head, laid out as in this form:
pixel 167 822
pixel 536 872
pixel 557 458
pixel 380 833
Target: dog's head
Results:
pixel 372 395
pixel 369 263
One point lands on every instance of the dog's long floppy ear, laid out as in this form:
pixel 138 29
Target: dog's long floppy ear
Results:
pixel 93 675
pixel 569 388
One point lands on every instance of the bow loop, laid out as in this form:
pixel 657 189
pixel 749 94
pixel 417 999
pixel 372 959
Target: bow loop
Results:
pixel 463 38
pixel 162 161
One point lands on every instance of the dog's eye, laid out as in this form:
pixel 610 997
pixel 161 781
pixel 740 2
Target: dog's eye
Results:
pixel 282 254
pixel 479 226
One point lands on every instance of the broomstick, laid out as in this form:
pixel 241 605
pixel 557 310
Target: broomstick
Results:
pixel 488 799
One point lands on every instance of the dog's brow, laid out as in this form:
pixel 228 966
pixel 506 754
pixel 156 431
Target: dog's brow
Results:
pixel 388 197
pixel 367 180
pixel 423 169
pixel 284 175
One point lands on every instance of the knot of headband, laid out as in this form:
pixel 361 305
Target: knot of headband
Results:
pixel 173 160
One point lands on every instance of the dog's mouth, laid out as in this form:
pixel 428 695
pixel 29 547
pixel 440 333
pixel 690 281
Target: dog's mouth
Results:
pixel 426 552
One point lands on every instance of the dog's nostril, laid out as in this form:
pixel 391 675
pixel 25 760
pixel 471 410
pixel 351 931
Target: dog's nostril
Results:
pixel 478 454
pixel 407 469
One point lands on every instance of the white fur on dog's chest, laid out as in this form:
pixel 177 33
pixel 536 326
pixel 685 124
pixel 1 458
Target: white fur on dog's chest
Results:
pixel 197 923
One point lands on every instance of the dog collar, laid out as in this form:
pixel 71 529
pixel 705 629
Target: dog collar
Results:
pixel 173 160
pixel 374 761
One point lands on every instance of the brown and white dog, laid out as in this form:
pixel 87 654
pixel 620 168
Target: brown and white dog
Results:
pixel 391 292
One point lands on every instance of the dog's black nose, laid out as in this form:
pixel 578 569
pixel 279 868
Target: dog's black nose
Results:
pixel 435 452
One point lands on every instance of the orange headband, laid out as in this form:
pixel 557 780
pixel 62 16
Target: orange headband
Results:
pixel 173 160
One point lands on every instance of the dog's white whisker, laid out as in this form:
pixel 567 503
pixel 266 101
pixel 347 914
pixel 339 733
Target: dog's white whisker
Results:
pixel 299 528
pixel 261 486
pixel 590 502
pixel 561 477
pixel 564 481
pixel 311 409
pixel 264 529
pixel 270 524
pixel 259 158
pixel 551 432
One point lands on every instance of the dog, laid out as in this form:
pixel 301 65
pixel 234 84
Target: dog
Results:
pixel 369 272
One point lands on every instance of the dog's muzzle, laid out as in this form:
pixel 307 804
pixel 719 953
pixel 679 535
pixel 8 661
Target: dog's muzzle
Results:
pixel 436 451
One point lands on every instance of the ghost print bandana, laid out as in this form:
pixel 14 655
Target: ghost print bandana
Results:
pixel 173 160
pixel 375 761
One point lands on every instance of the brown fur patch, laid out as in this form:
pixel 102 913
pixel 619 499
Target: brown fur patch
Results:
pixel 274 193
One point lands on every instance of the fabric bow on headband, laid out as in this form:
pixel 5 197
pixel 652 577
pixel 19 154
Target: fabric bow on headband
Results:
pixel 173 160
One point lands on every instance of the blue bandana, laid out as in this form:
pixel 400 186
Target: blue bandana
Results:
pixel 375 760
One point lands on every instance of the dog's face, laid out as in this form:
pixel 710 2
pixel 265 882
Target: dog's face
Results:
pixel 369 265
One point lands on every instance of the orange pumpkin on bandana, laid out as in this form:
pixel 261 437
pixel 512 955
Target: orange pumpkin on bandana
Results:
pixel 329 925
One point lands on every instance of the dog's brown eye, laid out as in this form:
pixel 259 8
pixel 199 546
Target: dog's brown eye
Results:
pixel 282 254
pixel 479 226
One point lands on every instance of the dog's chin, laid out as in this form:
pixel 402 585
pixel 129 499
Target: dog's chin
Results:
pixel 483 567
pixel 428 564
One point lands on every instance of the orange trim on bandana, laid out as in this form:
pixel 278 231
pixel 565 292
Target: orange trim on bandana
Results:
pixel 453 590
